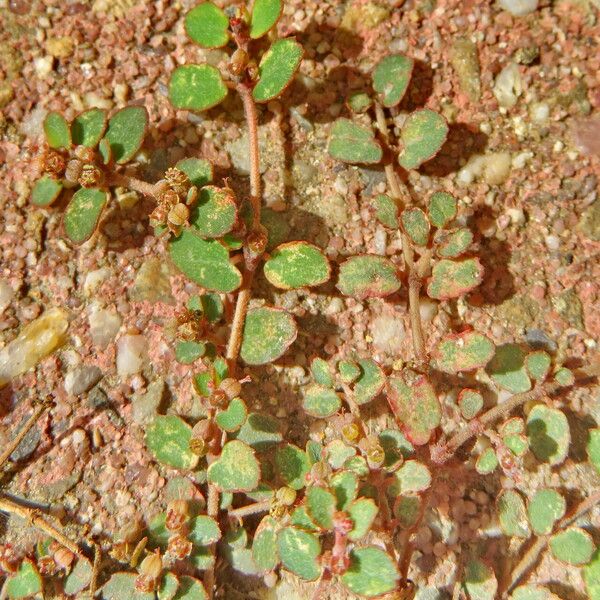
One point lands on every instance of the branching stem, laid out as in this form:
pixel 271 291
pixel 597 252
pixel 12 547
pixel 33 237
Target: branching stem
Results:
pixel 133 183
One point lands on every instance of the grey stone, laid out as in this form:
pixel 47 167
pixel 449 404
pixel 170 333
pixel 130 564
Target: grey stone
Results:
pixel 28 444
pixel 538 340
pixel 97 398
pixel 145 406
pixel 82 379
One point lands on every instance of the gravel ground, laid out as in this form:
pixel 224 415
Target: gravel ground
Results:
pixel 522 96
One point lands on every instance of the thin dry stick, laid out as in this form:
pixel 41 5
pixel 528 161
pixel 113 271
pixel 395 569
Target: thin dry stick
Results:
pixel 38 411
pixel 38 521
pixel 250 509
pixel 133 183
pixel 531 556
pixel 95 569
pixel 400 194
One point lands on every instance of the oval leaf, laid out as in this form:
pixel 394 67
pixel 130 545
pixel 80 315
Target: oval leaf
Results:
pixel 265 13
pixel 423 134
pixel 168 438
pixel 190 588
pixel 454 242
pixel 276 69
pixel 233 417
pixel 544 509
pixel 204 261
pixel 507 369
pixel 593 448
pixel 363 512
pixel 321 505
pixel 207 25
pixel 236 470
pixel 292 465
pixel 215 212
pixel 353 143
pixel 371 572
pixel 370 382
pixel 463 352
pixel 25 583
pixel 386 210
pixel 320 401
pixel 296 265
pixel 196 87
pixel 299 552
pixel 416 225
pixel 56 128
pixel 480 581
pixel 470 403
pixel 45 191
pixel 268 332
pixel 264 544
pixel 88 128
pixel 368 276
pixel 125 133
pixel 548 433
pixel 83 213
pixel 512 514
pixel 199 171
pixel 391 78
pixel 452 278
pixel 121 586
pixel 442 209
pixel 573 546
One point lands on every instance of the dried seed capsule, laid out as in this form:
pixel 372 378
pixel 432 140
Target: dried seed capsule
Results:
pixel 351 432
pixel 178 215
pixel 149 572
pixel 91 176
pixel 177 515
pixel 73 170
pixel 198 446
pixel 84 153
pixel 192 195
pixel 285 496
pixel 179 546
pixel 64 558
pixel 238 62
pixel 178 181
pixel 46 565
pixel 169 199
pixel 231 387
pixel 53 162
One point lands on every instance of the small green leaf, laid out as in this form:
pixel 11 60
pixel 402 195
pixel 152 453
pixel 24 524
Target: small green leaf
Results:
pixel 88 127
pixel 190 588
pixel 344 485
pixel 203 530
pixel 45 191
pixel 26 582
pixel 168 587
pixel 573 546
pixel 268 333
pixel 199 171
pixel 416 225
pixel 442 209
pixel 320 372
pixel 391 77
pixel 544 509
pixel 233 417
pixel 593 448
pixel 299 552
pixel 212 307
pixel 292 465
pixel 204 261
pixel 517 444
pixel 353 143
pixel 538 364
pixel 121 586
pixel 295 265
pixel 591 576
pixel 463 352
pixel 423 134
pixel 56 128
pixel 532 592
pixel 207 25
pixel 368 276
pixel 348 371
pixel 105 151
pixel 512 426
pixel 407 509
pixel 321 505
pixel 158 534
pixel 265 14
pixel 125 133
pixel 486 462
pixel 386 210
pixel 168 438
pixel 79 578
pixel 470 403
pixel 236 470
pixel 260 432
pixel 338 452
pixel 321 401
pixel 358 465
pixel 370 382
pixel 83 213
pixel 452 243
pixel 415 406
pixel 196 87
pixel 548 433
pixel 264 544
pixel 512 514
pixel 215 212
pixel 277 68
pixel 202 558
pixel 454 278
pixel 480 581
pixel 564 377
pixel 413 476
pixel 507 369
pixel 359 102
pixel 187 352
pixel 395 446
pixel 371 572
pixel 363 512
pixel 299 518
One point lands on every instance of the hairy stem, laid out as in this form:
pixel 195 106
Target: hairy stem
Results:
pixel 135 184
pixel 401 195
pixel 33 517
pixel 38 411
pixel 250 509
pixel 531 556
